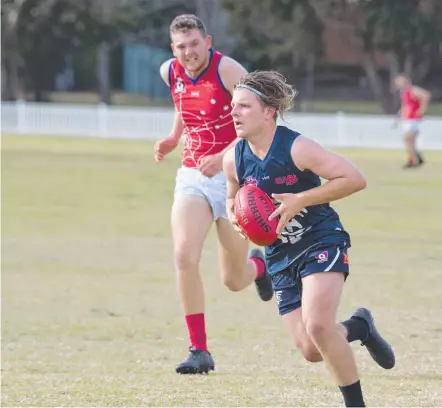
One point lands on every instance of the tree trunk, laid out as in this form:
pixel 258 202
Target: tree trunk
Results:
pixel 13 88
pixel 393 68
pixel 408 65
pixel 205 10
pixel 379 89
pixel 38 94
pixel 103 74
pixel 421 70
pixel 310 83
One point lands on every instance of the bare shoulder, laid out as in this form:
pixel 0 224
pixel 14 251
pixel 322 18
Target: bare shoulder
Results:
pixel 304 144
pixel 164 70
pixel 230 71
pixel 306 152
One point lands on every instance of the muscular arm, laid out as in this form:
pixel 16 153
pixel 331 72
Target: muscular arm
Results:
pixel 229 169
pixel 230 72
pixel 424 97
pixel 343 177
pixel 177 124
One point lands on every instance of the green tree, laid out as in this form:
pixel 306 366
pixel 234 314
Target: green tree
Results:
pixel 283 34
pixel 403 31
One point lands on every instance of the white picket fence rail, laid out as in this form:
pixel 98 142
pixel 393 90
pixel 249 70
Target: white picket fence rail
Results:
pixel 334 130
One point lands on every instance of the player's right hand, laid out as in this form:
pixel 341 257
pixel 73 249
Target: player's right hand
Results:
pixel 230 209
pixel 165 146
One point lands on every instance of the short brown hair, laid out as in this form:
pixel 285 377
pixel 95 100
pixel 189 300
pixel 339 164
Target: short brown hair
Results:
pixel 186 22
pixel 273 89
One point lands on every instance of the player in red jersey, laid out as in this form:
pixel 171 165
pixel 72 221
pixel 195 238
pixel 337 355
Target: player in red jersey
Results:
pixel 414 103
pixel 201 82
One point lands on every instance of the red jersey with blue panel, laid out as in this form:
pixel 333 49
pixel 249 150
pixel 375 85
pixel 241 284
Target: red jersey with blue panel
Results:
pixel 204 105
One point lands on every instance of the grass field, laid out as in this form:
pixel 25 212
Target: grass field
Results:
pixel 90 315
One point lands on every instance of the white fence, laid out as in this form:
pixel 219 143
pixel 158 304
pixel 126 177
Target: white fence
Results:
pixel 340 130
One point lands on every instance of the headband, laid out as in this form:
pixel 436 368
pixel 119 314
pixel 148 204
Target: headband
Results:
pixel 251 89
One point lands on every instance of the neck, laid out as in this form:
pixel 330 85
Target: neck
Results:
pixel 261 142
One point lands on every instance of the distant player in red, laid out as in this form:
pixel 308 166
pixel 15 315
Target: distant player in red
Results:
pixel 414 103
pixel 201 82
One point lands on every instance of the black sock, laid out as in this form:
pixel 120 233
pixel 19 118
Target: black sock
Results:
pixel 353 395
pixel 357 329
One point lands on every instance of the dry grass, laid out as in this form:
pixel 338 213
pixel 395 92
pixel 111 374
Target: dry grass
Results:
pixel 90 313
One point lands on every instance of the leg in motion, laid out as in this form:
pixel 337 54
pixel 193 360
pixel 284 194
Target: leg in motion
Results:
pixel 414 158
pixel 191 220
pixel 361 327
pixel 320 300
pixel 237 271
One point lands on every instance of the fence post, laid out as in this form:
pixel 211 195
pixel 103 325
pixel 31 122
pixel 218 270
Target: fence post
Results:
pixel 340 118
pixel 21 116
pixel 102 118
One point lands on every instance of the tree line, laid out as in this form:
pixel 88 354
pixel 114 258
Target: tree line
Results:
pixel 287 35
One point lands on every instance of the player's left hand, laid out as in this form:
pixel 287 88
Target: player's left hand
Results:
pixel 209 166
pixel 290 205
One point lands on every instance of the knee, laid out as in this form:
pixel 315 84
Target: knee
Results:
pixel 319 331
pixel 185 260
pixel 308 351
pixel 231 283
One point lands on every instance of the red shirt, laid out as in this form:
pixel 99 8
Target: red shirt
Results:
pixel 410 105
pixel 204 105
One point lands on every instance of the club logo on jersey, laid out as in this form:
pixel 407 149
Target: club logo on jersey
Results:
pixel 288 180
pixel 179 85
pixel 294 230
pixel 250 181
pixel 322 257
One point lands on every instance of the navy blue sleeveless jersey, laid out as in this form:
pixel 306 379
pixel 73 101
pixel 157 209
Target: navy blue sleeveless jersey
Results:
pixel 316 226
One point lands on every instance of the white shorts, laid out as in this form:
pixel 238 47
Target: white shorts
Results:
pixel 411 126
pixel 190 181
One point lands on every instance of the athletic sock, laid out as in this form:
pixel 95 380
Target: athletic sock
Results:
pixel 260 267
pixel 353 395
pixel 357 329
pixel 197 331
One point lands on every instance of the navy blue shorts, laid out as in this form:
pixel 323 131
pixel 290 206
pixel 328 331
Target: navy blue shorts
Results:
pixel 287 284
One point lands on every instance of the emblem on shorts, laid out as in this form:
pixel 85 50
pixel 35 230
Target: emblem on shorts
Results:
pixel 322 257
pixel 179 86
pixel 345 259
pixel 278 295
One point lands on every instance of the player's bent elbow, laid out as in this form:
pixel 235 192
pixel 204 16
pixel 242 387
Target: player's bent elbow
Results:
pixel 360 182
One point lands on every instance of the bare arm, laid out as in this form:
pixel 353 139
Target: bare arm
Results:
pixel 229 168
pixel 424 97
pixel 343 177
pixel 230 72
pixel 177 124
